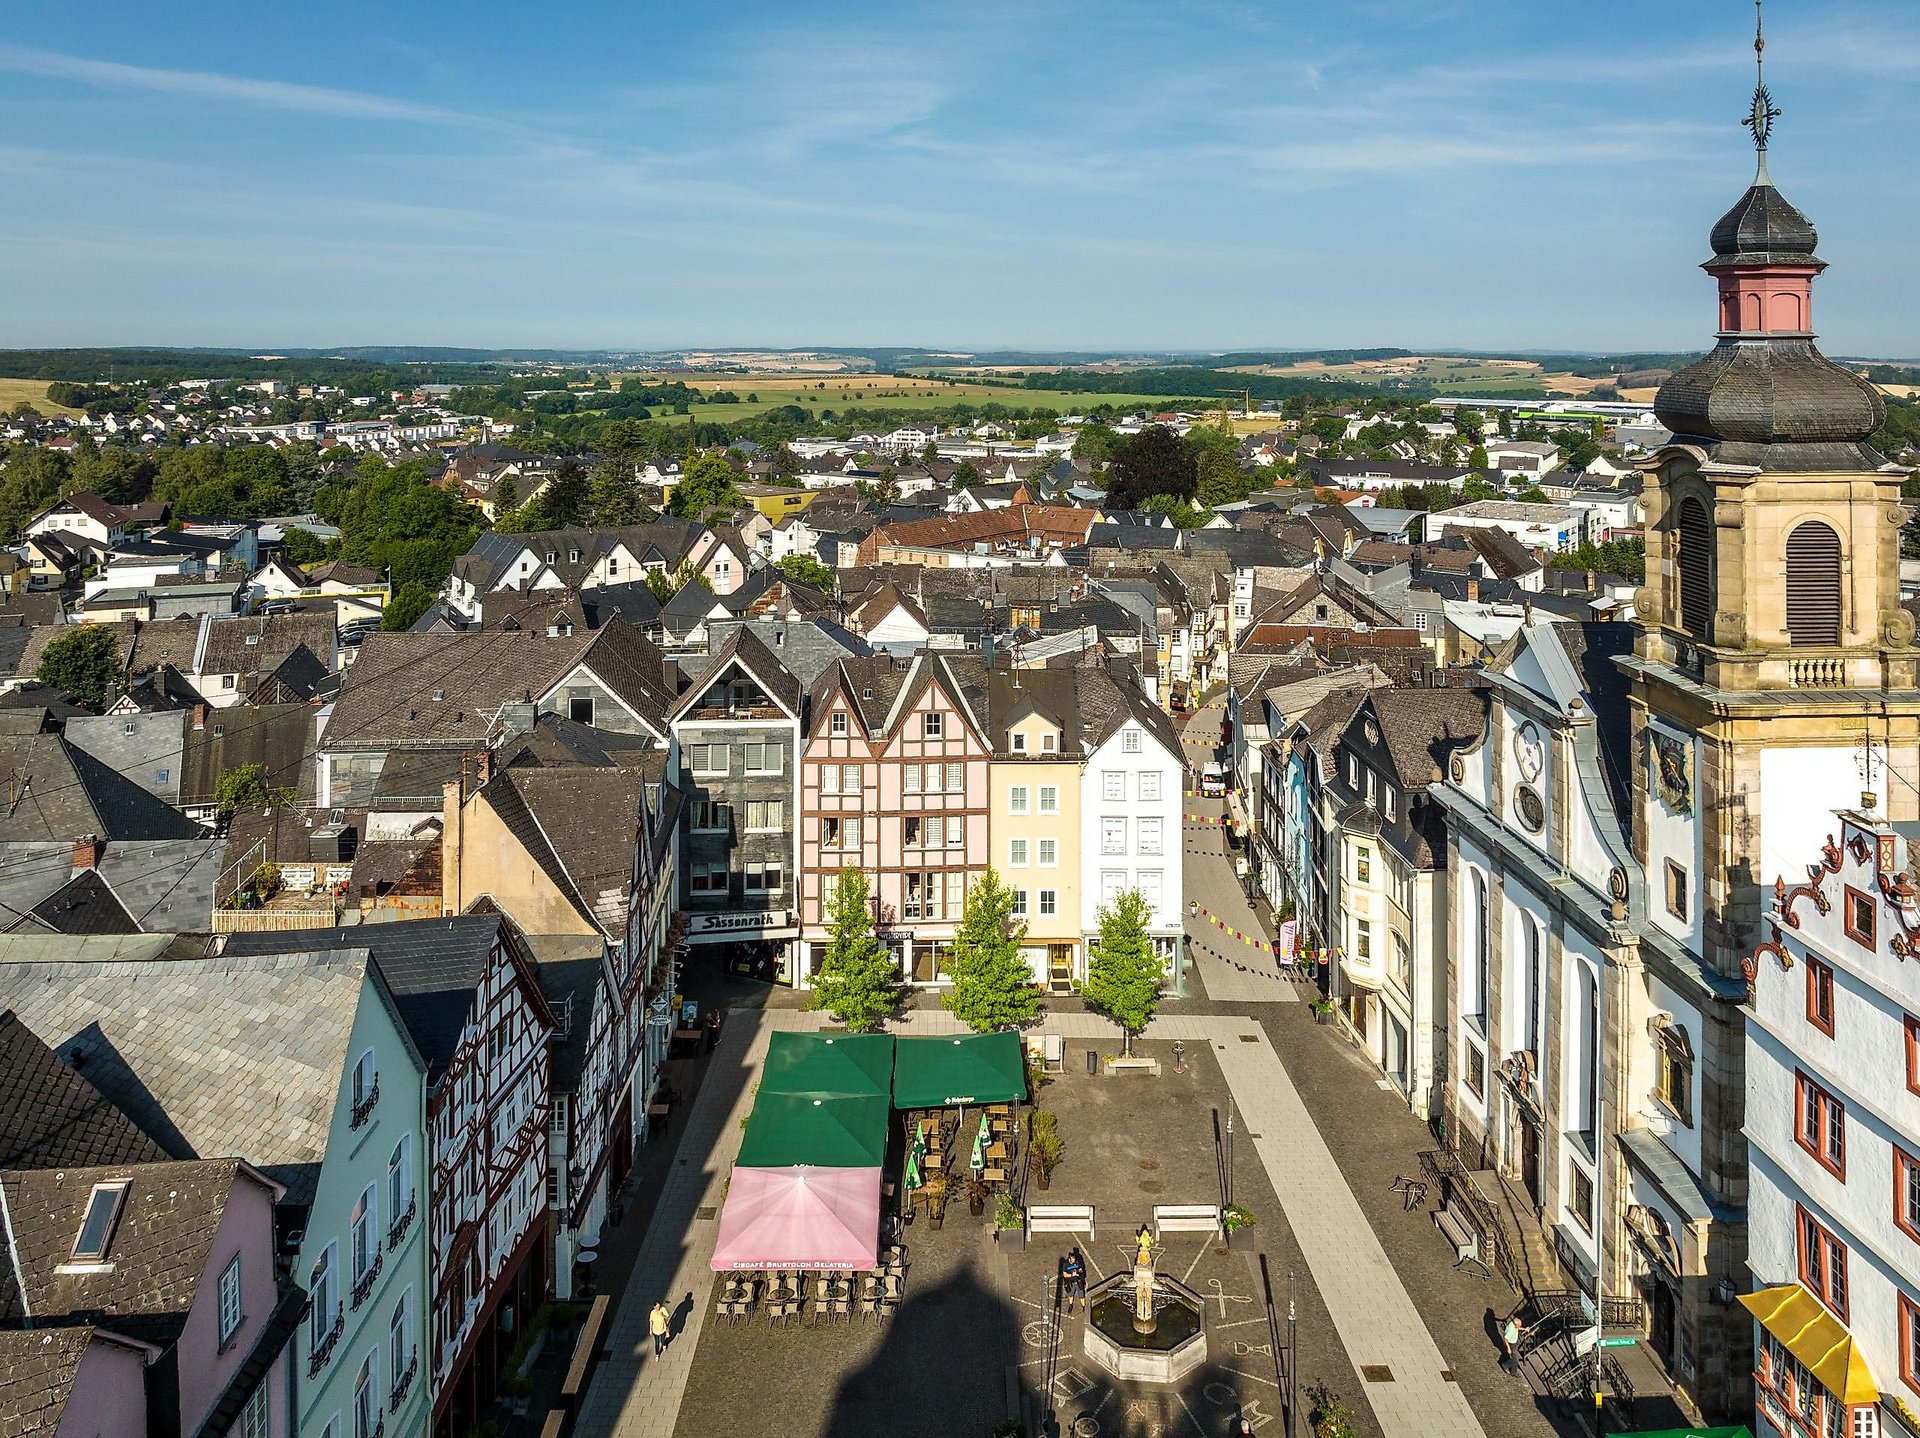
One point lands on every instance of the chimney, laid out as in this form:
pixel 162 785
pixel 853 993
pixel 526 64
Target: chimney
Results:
pixel 1473 589
pixel 199 716
pixel 452 815
pixel 86 851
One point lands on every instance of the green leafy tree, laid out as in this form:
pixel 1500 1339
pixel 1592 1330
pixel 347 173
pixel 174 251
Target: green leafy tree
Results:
pixel 966 474
pixel 993 984
pixel 303 547
pixel 805 569
pixel 1625 557
pixel 563 502
pixel 706 482
pixel 858 982
pixel 1477 459
pixel 613 492
pixel 246 787
pixel 506 495
pixel 665 585
pixel 1221 479
pixel 1123 972
pixel 409 602
pixel 83 664
pixel 1095 443
pixel 1151 462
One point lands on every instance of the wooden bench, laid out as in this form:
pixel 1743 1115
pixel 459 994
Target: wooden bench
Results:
pixel 1186 1218
pixel 583 1351
pixel 1060 1218
pixel 1133 1063
pixel 1465 1241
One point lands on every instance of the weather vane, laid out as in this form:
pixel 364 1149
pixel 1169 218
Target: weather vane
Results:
pixel 1765 112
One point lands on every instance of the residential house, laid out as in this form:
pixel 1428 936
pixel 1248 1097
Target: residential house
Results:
pixel 262 658
pixel 893 782
pixel 301 1063
pixel 1389 884
pixel 1537 526
pixel 1133 788
pixel 1034 787
pixel 1833 1070
pixel 737 730
pixel 469 996
pixel 178 1257
pixel 452 694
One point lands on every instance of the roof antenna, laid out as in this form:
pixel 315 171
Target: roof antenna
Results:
pixel 1760 119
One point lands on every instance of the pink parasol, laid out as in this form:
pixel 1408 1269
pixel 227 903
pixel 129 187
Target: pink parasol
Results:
pixel 800 1217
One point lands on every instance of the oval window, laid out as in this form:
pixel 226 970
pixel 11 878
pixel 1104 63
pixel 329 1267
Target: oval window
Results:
pixel 1528 806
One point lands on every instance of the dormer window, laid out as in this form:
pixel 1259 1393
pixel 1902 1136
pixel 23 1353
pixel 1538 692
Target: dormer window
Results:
pixel 573 556
pixel 96 1226
pixel 932 726
pixel 837 726
pixel 551 556
pixel 1049 742
pixel 1017 743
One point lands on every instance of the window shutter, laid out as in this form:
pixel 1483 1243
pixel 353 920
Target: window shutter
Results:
pixel 1813 585
pixel 1696 568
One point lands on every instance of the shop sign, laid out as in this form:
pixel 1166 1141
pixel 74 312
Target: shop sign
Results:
pixel 749 924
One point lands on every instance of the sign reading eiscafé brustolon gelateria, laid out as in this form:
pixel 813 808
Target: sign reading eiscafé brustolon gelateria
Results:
pixel 753 922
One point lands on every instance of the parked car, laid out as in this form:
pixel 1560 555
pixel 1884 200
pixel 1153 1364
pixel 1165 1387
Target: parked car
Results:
pixel 1213 780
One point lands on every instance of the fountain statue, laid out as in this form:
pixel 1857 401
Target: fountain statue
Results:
pixel 1143 1282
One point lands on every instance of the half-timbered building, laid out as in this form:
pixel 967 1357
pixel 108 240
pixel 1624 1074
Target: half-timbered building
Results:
pixel 893 782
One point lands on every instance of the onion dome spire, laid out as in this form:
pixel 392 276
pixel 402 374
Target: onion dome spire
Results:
pixel 1766 396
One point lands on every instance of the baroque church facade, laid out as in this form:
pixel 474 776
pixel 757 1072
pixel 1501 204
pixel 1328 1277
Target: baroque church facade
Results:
pixel 1616 834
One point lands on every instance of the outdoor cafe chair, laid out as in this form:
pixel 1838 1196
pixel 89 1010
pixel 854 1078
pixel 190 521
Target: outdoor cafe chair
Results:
pixel 874 1308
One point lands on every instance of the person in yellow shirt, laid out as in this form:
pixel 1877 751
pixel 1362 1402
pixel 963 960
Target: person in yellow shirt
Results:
pixel 660 1325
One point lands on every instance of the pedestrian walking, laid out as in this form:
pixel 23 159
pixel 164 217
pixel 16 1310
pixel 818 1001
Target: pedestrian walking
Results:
pixel 660 1325
pixel 713 1029
pixel 1073 1279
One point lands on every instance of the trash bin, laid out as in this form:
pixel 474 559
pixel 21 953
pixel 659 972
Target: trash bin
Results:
pixel 1093 1063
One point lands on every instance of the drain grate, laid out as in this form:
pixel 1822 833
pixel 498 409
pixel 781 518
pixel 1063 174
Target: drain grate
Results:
pixel 704 1213
pixel 1376 1373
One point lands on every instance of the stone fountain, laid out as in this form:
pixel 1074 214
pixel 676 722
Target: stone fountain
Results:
pixel 1143 1326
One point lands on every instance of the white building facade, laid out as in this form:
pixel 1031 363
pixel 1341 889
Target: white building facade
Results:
pixel 1833 1134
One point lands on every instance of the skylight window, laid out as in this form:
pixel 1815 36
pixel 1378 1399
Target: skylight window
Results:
pixel 96 1229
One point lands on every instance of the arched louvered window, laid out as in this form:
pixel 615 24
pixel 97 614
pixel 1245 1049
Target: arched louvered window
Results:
pixel 1696 567
pixel 1813 584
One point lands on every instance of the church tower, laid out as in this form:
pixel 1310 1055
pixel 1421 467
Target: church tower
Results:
pixel 1772 684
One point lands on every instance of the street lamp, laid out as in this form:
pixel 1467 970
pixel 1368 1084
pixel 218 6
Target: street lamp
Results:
pixel 1179 1053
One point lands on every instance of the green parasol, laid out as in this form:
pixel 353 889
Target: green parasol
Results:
pixel 916 1154
pixel 978 1162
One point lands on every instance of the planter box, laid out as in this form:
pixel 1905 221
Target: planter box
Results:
pixel 1242 1239
pixel 1012 1240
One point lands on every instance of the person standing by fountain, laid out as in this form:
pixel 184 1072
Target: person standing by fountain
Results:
pixel 1073 1279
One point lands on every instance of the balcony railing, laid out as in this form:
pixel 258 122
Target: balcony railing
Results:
pixel 1822 673
pixel 363 1285
pixel 363 1110
pixel 403 1384
pixel 323 1349
pixel 397 1230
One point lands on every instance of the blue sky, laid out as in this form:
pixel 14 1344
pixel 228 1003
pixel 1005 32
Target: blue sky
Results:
pixel 1217 174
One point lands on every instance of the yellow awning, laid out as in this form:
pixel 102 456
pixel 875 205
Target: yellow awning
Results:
pixel 1818 1339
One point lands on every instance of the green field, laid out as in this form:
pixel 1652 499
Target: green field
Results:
pixel 34 392
pixel 895 392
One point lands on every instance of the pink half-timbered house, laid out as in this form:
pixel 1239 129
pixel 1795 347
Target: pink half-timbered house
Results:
pixel 893 782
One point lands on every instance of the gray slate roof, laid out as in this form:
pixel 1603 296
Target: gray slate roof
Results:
pixel 157 1253
pixel 50 1117
pixel 234 1055
pixel 431 967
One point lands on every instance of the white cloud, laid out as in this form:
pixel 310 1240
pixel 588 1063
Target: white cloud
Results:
pixel 269 94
